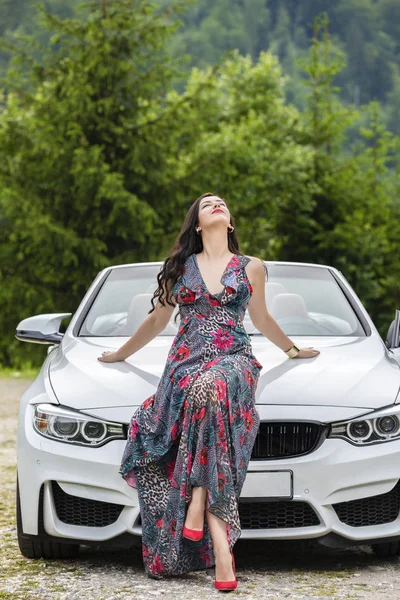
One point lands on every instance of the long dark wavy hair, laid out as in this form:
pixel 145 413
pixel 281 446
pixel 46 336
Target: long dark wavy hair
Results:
pixel 187 242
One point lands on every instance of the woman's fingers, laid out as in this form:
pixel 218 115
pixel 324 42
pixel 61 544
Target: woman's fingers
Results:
pixel 107 356
pixel 307 353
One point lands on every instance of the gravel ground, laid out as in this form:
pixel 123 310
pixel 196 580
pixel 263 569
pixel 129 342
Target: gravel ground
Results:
pixel 264 569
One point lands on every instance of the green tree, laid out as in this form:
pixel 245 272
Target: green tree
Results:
pixel 352 206
pixel 81 158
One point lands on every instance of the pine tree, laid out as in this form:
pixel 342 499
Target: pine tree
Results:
pixel 81 156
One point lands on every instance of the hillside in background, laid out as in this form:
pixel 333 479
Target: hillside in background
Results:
pixel 367 31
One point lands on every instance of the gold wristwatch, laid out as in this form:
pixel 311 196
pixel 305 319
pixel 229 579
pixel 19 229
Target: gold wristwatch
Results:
pixel 293 351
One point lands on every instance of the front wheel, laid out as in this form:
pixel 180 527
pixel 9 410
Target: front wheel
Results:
pixel 35 546
pixel 387 550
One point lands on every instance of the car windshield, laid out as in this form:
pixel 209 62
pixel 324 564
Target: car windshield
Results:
pixel 304 300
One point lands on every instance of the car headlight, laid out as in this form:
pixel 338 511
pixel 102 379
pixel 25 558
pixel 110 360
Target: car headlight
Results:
pixel 381 426
pixel 66 425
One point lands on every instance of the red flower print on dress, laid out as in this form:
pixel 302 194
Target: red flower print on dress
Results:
pixel 133 429
pixel 200 414
pixel 174 430
pixel 189 463
pixel 235 262
pixel 229 289
pixel 214 301
pixel 222 339
pixel 184 381
pixel 145 551
pixel 172 527
pixel 171 468
pixel 221 432
pixel 182 352
pixel 148 402
pixel 187 296
pixel 249 377
pixel 220 388
pixel 248 419
pixel 204 456
pixel 258 364
pixel 159 523
pixel 221 481
pixel 157 566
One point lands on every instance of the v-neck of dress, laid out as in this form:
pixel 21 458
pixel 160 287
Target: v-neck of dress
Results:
pixel 223 273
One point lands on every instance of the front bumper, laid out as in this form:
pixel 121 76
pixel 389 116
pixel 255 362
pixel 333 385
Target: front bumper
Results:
pixel 344 490
pixel 88 475
pixel 85 498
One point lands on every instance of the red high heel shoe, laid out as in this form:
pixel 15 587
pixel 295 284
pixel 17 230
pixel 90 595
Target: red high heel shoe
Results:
pixel 227 586
pixel 192 534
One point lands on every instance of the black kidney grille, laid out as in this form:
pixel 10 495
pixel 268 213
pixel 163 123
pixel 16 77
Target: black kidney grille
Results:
pixel 285 439
pixel 375 510
pixel 83 511
pixel 277 515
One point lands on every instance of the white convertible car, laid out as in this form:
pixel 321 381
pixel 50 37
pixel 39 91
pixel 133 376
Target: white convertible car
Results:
pixel 326 461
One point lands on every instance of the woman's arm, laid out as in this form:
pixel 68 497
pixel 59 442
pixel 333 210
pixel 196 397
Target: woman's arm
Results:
pixel 153 324
pixel 260 316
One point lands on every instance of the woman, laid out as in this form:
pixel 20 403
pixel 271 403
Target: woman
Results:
pixel 190 443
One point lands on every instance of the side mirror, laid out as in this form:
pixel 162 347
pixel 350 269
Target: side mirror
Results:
pixel 41 329
pixel 393 335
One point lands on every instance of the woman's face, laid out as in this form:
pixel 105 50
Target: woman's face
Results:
pixel 213 211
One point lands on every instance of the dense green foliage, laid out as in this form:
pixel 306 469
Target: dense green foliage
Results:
pixel 101 155
pixel 367 31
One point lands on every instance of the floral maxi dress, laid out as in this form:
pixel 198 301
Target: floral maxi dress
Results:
pixel 199 427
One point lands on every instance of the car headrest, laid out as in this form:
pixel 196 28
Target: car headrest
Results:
pixel 137 312
pixel 271 290
pixel 288 305
pixel 152 288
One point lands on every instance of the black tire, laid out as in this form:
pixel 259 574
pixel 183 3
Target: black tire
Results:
pixel 35 546
pixel 387 551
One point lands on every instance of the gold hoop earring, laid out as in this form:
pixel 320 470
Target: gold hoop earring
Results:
pixel 231 228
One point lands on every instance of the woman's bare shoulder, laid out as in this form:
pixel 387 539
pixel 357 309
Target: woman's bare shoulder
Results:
pixel 256 266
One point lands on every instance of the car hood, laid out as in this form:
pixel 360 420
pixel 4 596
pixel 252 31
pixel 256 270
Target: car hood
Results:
pixel 354 372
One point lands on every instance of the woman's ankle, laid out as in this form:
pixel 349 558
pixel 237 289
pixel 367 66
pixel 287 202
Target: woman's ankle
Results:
pixel 222 552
